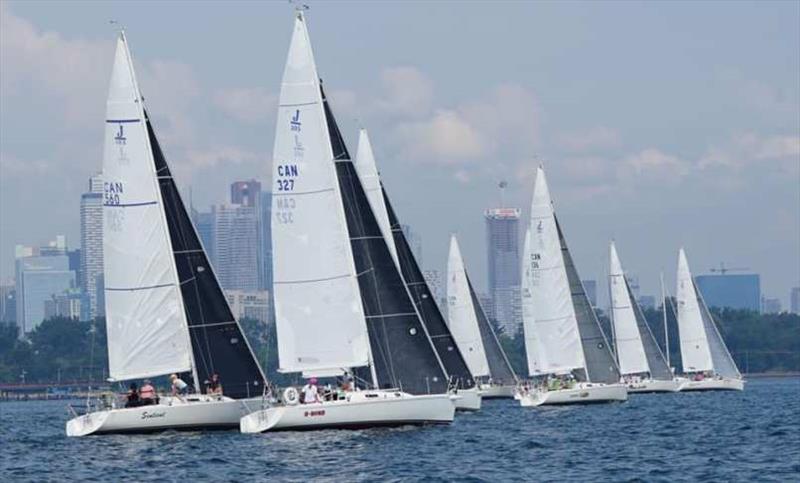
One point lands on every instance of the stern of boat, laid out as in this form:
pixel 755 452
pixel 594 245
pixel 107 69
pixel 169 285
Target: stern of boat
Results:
pixel 86 424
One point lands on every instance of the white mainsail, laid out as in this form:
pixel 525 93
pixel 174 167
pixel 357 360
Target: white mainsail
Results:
pixel 367 171
pixel 629 347
pixel 462 316
pixel 319 314
pixel 552 340
pixel 145 319
pixel 695 352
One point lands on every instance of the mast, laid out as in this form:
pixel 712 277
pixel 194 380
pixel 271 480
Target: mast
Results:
pixel 666 330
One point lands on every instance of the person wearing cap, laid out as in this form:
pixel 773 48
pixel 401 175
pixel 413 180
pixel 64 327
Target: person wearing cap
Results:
pixel 310 393
pixel 147 393
pixel 178 386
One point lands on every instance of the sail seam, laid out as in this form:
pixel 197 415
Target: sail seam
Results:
pixel 389 315
pixel 133 289
pixel 291 282
pixel 131 205
pixel 295 193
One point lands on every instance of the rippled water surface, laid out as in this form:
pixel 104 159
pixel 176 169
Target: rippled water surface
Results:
pixel 754 435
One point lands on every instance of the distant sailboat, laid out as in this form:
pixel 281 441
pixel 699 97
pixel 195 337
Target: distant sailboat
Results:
pixel 641 363
pixel 474 334
pixel 165 311
pixel 461 380
pixel 340 303
pixel 706 361
pixel 567 353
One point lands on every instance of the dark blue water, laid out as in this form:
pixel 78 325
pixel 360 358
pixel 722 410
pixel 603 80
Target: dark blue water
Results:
pixel 754 435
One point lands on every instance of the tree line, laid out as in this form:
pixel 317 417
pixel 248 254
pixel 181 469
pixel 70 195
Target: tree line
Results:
pixel 68 350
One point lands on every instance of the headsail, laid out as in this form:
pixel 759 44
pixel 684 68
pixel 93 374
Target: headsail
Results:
pixel 318 309
pixel 462 317
pixel 145 320
pixel 600 363
pixel 552 340
pixel 218 343
pixel 695 351
pixel 720 356
pixel 627 340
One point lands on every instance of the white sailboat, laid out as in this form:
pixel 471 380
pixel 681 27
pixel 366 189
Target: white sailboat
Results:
pixel 474 334
pixel 165 311
pixel 340 302
pixel 567 352
pixel 641 363
pixel 706 361
pixel 462 381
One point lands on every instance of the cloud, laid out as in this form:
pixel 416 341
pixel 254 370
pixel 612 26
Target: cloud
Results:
pixel 247 105
pixel 206 158
pixel 445 138
pixel 596 138
pixel 408 92
pixel 750 149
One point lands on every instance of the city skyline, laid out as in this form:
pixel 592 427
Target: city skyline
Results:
pixel 696 148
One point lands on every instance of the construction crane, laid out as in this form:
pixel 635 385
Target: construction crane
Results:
pixel 722 270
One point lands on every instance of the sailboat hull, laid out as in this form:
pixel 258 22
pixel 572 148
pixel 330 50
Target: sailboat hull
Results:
pixel 195 413
pixel 723 384
pixel 493 391
pixel 583 393
pixel 468 399
pixel 655 385
pixel 365 409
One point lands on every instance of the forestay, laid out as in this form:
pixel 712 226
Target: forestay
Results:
pixel 695 352
pixel 145 320
pixel 552 340
pixel 627 340
pixel 319 314
pixel 462 316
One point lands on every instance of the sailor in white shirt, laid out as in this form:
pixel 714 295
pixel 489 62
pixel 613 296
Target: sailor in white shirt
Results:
pixel 310 394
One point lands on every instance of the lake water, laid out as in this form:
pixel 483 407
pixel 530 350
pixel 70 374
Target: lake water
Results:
pixel 753 435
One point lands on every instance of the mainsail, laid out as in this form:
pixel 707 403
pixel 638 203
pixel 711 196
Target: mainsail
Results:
pixel 552 340
pixel 462 301
pixel 421 294
pixel 145 320
pixel 632 332
pixel 702 346
pixel 340 299
pixel 695 352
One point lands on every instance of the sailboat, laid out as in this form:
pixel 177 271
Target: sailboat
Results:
pixel 165 310
pixel 706 361
pixel 568 354
pixel 474 334
pixel 462 381
pixel 341 305
pixel 641 362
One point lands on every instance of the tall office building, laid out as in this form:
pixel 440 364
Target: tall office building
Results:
pixel 236 246
pixel 502 241
pixel 739 291
pixel 204 223
pixel 248 193
pixel 41 273
pixel 794 299
pixel 266 239
pixel 91 255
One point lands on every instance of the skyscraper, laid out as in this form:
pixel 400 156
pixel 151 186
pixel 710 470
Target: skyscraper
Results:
pixel 266 239
pixel 41 273
pixel 91 255
pixel 502 242
pixel 236 246
pixel 204 223
pixel 248 193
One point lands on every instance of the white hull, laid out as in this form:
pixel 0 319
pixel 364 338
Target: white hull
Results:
pixel 583 393
pixel 654 385
pixel 194 413
pixel 360 410
pixel 492 391
pixel 724 384
pixel 468 399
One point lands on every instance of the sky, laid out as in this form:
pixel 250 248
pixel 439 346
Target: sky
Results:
pixel 660 124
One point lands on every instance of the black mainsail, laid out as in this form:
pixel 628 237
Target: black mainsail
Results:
pixel 218 343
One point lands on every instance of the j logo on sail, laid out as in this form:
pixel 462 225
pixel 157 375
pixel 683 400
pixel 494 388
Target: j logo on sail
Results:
pixel 295 122
pixel 120 137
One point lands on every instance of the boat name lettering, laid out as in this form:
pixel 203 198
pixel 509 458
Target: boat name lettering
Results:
pixel 146 415
pixel 317 412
